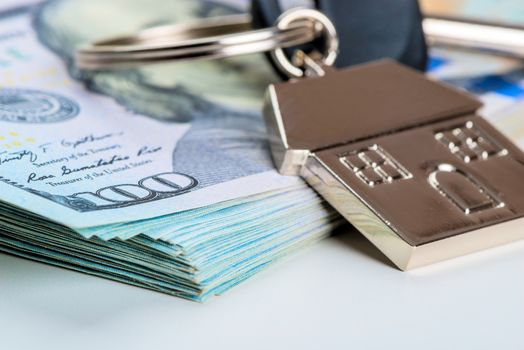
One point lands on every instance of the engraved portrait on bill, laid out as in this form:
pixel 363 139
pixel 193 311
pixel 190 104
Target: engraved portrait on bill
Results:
pixel 227 138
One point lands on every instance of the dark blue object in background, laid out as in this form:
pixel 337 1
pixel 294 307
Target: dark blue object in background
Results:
pixel 368 29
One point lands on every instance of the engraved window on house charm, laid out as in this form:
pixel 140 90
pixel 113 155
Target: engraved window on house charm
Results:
pixel 463 190
pixel 374 166
pixel 470 143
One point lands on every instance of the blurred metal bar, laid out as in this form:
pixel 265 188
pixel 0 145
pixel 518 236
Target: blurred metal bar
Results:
pixel 500 39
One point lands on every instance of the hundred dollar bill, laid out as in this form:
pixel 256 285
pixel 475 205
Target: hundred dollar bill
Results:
pixel 82 159
pixel 113 187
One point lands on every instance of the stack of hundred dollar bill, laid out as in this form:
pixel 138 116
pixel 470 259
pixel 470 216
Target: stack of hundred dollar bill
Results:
pixel 157 176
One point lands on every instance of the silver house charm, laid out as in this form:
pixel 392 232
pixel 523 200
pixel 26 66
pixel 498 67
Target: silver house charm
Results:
pixel 404 159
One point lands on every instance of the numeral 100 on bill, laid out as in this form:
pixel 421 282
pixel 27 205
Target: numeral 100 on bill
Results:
pixel 148 189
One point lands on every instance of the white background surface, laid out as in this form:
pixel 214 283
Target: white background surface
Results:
pixel 339 294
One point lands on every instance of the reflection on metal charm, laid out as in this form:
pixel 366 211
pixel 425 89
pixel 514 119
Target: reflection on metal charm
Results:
pixel 469 143
pixel 374 166
pixel 463 190
pixel 403 158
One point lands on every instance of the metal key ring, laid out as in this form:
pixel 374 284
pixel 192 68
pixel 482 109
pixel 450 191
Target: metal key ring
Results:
pixel 205 39
pixel 211 38
pixel 322 25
